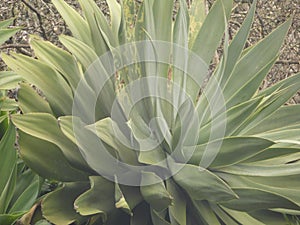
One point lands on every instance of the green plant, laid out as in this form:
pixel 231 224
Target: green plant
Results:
pixel 19 186
pixel 227 154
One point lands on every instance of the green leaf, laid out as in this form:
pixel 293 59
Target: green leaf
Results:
pixel 162 14
pixel 9 80
pixel 7 33
pixel 101 32
pixel 53 85
pixel 116 16
pixel 197 17
pixel 155 193
pixel 283 118
pixel 7 163
pixel 237 45
pixel 98 199
pixel 129 15
pixel 250 87
pixel 78 26
pixel 6 23
pixel 8 191
pixel 47 159
pixel 269 105
pixel 242 217
pixel 281 85
pixel 158 219
pixel 83 53
pixel 228 122
pixel 206 213
pixel 9 219
pixel 177 211
pixel 230 150
pixel 253 169
pixel 75 130
pixel 30 101
pixel 272 153
pixel 256 59
pixel 27 198
pixel 227 219
pixel 58 58
pixel 212 30
pixel 63 198
pixel 262 200
pixel 44 126
pixel 197 182
pixel 8 104
pixel 120 200
pixel 110 133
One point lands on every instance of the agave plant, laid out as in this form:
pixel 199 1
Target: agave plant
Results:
pixel 132 123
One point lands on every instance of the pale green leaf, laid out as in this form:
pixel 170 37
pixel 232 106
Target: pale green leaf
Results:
pixel 63 198
pixel 78 26
pixel 154 191
pixel 30 101
pixel 53 85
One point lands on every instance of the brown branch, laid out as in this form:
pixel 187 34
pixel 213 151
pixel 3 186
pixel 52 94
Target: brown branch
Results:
pixel 15 46
pixel 39 16
pixel 287 62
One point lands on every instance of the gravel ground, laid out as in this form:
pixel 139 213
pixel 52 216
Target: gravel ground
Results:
pixel 39 17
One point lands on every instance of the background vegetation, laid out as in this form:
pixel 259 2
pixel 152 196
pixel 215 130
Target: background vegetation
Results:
pixel 41 18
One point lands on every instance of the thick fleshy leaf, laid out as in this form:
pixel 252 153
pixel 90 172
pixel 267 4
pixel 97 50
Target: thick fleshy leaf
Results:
pixel 281 85
pixel 129 13
pixel 7 33
pixel 230 150
pixel 197 17
pixel 242 217
pixel 8 219
pixel 253 169
pixel 78 26
pixel 53 85
pixel 177 211
pixel 273 153
pixel 155 194
pixel 58 59
pixel 227 219
pixel 30 101
pixel 47 160
pixel 6 23
pixel 229 121
pixel 98 199
pixel 63 198
pixel 158 219
pixel 120 200
pixel 269 106
pixel 212 30
pixel 283 118
pixel 250 87
pixel 259 56
pixel 7 167
pixel 196 181
pixel 8 105
pixel 237 45
pixel 9 80
pixel 27 198
pixel 90 145
pixel 83 53
pixel 110 133
pixel 205 212
pixel 116 16
pixel 100 30
pixel 263 199
pixel 45 126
